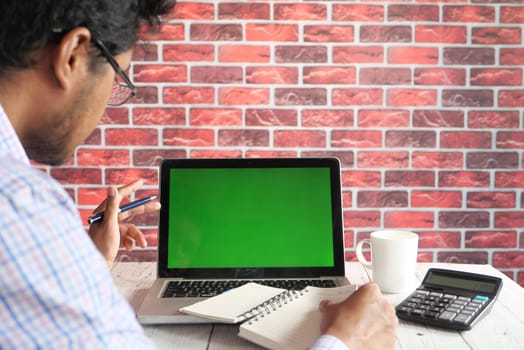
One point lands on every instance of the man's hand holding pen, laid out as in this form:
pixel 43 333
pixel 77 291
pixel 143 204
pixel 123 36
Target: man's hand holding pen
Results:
pixel 110 232
pixel 99 216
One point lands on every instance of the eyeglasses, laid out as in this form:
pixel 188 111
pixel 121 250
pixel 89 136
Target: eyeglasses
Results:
pixel 122 91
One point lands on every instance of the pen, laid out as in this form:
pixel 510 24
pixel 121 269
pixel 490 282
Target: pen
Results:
pixel 100 215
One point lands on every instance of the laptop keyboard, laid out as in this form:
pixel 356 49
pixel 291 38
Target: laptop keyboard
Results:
pixel 211 288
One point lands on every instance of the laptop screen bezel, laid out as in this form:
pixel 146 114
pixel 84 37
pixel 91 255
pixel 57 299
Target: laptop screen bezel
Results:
pixel 280 272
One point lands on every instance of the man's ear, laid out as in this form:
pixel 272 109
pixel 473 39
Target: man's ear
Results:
pixel 71 59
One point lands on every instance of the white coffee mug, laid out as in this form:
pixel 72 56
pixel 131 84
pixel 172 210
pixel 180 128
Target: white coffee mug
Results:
pixel 393 259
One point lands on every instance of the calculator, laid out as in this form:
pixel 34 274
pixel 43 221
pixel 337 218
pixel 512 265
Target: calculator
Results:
pixel 450 299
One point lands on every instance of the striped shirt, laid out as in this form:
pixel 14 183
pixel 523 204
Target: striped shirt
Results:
pixel 55 289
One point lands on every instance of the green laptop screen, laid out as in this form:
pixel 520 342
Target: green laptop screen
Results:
pixel 256 217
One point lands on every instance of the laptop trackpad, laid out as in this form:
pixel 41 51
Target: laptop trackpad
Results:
pixel 166 311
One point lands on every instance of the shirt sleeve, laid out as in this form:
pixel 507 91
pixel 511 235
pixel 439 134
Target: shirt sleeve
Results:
pixel 328 342
pixel 55 289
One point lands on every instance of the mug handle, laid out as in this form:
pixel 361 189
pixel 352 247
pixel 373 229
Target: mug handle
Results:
pixel 361 258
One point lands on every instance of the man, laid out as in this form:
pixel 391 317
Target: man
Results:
pixel 60 64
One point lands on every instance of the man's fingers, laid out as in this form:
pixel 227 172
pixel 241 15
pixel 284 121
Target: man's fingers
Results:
pixel 133 234
pixel 143 209
pixel 130 188
pixel 323 305
pixel 123 191
pixel 129 244
pixel 112 203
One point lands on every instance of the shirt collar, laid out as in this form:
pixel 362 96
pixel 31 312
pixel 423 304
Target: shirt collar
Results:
pixel 10 144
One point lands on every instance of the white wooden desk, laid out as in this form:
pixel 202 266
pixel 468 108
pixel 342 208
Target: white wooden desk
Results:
pixel 501 329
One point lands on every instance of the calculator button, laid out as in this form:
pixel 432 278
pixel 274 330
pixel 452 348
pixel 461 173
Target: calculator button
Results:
pixel 447 315
pixel 481 298
pixel 411 304
pixel 462 318
pixel 450 296
pixel 435 294
pixel 476 303
pixel 418 311
pixel 405 309
pixel 446 300
pixel 467 312
pixel 431 314
pixel 471 308
pixel 460 302
pixel 422 291
pixel 464 298
pixel 436 309
pixel 453 309
pixel 415 300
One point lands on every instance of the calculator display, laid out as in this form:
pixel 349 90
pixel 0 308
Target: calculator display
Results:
pixel 462 283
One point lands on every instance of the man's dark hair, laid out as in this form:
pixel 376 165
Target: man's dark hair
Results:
pixel 27 25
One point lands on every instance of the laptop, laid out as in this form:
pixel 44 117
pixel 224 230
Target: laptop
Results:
pixel 225 222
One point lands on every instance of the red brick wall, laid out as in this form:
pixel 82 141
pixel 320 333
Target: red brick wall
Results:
pixel 421 100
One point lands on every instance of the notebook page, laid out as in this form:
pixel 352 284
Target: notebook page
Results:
pixel 230 305
pixel 296 324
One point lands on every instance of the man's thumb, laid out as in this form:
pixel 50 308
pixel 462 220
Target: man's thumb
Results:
pixel 112 203
pixel 323 305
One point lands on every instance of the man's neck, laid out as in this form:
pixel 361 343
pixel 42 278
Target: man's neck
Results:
pixel 22 95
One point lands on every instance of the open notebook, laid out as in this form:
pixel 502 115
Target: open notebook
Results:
pixel 274 318
pixel 226 222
